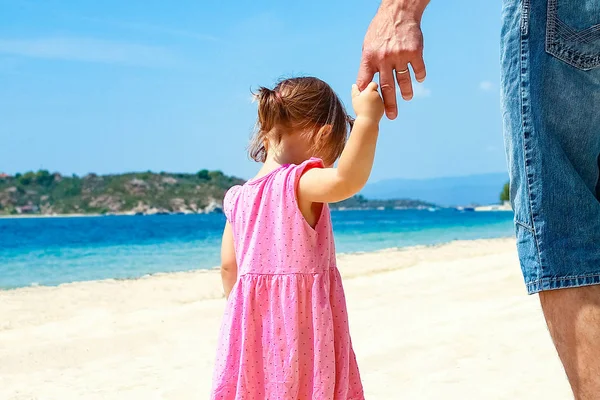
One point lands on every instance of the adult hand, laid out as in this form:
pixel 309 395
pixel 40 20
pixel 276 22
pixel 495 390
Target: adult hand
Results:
pixel 393 41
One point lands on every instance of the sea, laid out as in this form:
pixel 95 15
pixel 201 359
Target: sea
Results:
pixel 53 251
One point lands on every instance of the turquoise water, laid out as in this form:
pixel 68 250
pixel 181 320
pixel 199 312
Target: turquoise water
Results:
pixel 51 251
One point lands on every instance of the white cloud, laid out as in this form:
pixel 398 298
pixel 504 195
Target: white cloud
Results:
pixel 89 50
pixel 421 91
pixel 486 86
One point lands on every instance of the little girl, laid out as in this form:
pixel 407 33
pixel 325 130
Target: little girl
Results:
pixel 285 331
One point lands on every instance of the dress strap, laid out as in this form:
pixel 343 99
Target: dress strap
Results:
pixel 298 171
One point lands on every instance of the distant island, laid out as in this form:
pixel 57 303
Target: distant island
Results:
pixel 141 193
pixel 359 202
pixel 131 193
pixel 448 191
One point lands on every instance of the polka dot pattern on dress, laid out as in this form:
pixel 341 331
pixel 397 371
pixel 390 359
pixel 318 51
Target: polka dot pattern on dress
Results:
pixel 285 331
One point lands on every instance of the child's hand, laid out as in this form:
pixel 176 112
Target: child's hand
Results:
pixel 368 103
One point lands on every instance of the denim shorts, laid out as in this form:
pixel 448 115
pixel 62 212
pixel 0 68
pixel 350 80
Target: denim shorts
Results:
pixel 550 55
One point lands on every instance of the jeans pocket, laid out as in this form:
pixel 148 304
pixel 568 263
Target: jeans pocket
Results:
pixel 573 32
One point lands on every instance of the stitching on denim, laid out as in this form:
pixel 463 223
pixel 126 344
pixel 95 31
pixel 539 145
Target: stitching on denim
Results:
pixel 585 36
pixel 572 58
pixel 571 277
pixel 550 23
pixel 525 7
pixel 557 29
pixel 536 286
pixel 525 226
pixel 525 54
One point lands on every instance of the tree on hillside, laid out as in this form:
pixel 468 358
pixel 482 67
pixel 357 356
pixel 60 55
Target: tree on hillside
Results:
pixel 203 175
pixel 505 195
pixel 27 178
pixel 44 178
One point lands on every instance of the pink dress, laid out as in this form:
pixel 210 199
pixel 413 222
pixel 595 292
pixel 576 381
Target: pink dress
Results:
pixel 285 330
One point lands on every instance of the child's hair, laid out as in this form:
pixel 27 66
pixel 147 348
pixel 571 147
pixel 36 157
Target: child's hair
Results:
pixel 304 104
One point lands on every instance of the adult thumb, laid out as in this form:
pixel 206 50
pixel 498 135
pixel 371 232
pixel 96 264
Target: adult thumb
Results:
pixel 365 74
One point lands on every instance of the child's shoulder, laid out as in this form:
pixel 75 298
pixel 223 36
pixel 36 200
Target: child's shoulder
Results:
pixel 230 200
pixel 286 175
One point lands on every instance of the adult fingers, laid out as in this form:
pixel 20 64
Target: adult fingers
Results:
pixel 418 66
pixel 388 91
pixel 404 81
pixel 365 72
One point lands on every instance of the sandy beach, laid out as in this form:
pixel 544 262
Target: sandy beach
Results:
pixel 444 322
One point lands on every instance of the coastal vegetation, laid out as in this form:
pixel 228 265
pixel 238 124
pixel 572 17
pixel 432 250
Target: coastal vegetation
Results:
pixel 505 194
pixel 42 192
pixel 48 193
pixel 360 202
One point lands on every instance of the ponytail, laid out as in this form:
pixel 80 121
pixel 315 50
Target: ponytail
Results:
pixel 271 112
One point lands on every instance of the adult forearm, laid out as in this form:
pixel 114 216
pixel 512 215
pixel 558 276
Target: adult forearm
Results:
pixel 401 9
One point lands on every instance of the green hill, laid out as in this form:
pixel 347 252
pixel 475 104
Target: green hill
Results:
pixel 361 203
pixel 44 193
pixel 136 193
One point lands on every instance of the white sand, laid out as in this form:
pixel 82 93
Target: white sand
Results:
pixel 450 322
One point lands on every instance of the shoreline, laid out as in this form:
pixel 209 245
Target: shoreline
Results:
pixel 388 252
pixel 42 216
pixel 479 209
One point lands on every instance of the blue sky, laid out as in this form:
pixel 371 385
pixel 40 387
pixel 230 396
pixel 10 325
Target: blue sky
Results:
pixel 117 86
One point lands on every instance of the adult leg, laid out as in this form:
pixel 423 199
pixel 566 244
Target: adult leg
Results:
pixel 573 318
pixel 551 112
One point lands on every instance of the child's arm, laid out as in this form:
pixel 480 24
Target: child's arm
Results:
pixel 330 185
pixel 228 261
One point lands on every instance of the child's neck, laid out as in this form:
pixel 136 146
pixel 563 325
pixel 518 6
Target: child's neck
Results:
pixel 282 155
pixel 290 150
